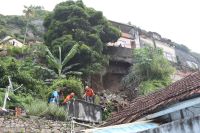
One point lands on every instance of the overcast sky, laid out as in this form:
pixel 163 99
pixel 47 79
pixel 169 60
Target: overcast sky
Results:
pixel 178 20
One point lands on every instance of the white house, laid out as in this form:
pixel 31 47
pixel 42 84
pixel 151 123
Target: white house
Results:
pixel 12 41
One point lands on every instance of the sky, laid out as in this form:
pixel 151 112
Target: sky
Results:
pixel 178 20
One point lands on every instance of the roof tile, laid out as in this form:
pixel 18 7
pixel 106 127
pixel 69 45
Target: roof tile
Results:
pixel 144 105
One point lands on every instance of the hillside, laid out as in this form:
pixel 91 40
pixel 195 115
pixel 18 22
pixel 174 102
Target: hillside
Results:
pixel 15 26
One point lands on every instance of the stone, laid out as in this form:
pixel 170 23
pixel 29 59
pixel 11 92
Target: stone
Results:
pixel 36 130
pixel 2 119
pixel 55 131
pixel 23 125
pixel 46 131
pixel 19 130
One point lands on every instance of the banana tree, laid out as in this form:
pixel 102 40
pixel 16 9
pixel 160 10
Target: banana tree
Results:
pixel 60 69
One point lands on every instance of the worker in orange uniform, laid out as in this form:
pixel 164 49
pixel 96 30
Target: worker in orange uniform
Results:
pixel 89 94
pixel 68 99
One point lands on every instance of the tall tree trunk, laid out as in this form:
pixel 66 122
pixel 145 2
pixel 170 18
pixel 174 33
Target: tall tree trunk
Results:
pixel 154 42
pixel 26 32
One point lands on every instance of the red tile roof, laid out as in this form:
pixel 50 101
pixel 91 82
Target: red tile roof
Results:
pixel 144 105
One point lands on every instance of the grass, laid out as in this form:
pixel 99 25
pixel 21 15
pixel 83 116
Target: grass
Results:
pixel 50 111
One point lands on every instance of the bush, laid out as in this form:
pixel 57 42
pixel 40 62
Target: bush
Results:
pixel 72 84
pixel 149 86
pixel 30 85
pixel 18 52
pixel 56 112
pixel 20 73
pixel 36 108
pixel 1 97
pixel 15 100
pixel 110 107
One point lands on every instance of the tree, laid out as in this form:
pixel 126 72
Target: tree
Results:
pixel 150 71
pixel 9 66
pixel 59 68
pixel 39 12
pixel 28 11
pixel 73 23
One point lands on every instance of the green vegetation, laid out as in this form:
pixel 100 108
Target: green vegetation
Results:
pixel 59 67
pixel 9 66
pixel 75 44
pixel 149 86
pixel 150 71
pixel 15 100
pixel 74 48
pixel 73 23
pixel 42 109
pixel 75 38
pixel 107 112
pixel 34 107
pixel 18 26
pixel 72 84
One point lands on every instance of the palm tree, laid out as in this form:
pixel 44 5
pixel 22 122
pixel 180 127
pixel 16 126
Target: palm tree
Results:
pixel 59 67
pixel 28 11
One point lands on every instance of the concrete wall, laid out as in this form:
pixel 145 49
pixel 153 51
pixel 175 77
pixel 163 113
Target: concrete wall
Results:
pixel 190 125
pixel 147 41
pixel 119 54
pixel 85 111
pixel 167 50
pixel 119 51
pixel 184 113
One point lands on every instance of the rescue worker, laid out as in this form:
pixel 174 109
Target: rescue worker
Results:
pixel 68 100
pixel 89 95
pixel 54 97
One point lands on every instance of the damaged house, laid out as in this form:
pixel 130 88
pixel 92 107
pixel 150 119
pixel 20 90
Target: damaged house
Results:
pixel 175 109
pixel 120 53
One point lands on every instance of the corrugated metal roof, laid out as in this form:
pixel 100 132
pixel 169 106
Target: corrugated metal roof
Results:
pixel 174 108
pixel 125 128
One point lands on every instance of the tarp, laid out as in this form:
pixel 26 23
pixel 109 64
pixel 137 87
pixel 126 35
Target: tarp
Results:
pixel 124 128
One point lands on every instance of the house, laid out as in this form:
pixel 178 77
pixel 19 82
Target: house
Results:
pixel 178 103
pixel 138 38
pixel 12 41
pixel 126 40
pixel 121 59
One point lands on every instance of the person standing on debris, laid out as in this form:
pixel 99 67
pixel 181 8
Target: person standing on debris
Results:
pixel 89 94
pixel 68 100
